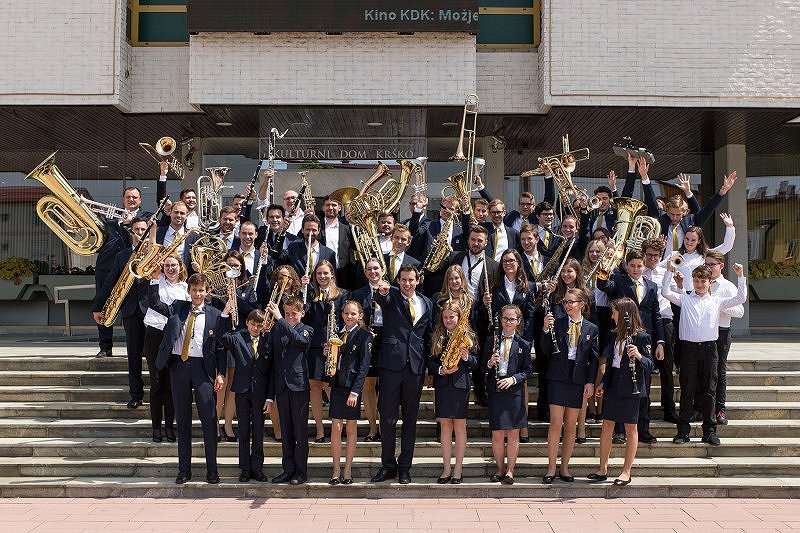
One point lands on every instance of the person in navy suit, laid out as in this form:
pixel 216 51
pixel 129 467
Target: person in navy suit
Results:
pixel 548 241
pixel 347 384
pixel 287 385
pixel 335 234
pixel 196 361
pixel 399 256
pixel 297 253
pixel 621 398
pixel 166 235
pixel 571 374
pixel 228 220
pixel 501 237
pixel 407 318
pixel 247 249
pixel 133 309
pixel 507 360
pixel 250 388
pixel 452 386
pixel 274 232
pixel 635 286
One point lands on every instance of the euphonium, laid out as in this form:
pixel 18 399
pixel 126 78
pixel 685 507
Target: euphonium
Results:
pixel 643 228
pixel 421 183
pixel 334 342
pixel 66 212
pixel 451 354
pixel 627 210
pixel 208 253
pixel 440 248
pixel 209 197
pixel 156 254
pixel 275 297
pixel 163 151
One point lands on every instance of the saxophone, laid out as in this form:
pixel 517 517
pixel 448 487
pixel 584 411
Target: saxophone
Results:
pixel 155 255
pixel 122 287
pixel 334 342
pixel 440 248
pixel 451 354
pixel 550 268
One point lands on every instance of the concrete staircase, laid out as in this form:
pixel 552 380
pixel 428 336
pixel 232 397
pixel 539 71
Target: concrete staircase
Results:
pixel 65 431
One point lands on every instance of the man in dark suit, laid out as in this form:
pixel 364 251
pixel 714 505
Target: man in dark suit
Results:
pixel 276 238
pixel 196 361
pixel 336 235
pixel 287 384
pixel 133 308
pixel 227 227
pixel 166 235
pixel 645 293
pixel 548 242
pixel 424 231
pixel 407 319
pixel 297 253
pixel 501 237
pixel 525 215
pixel 398 257
pixel 250 386
pixel 250 254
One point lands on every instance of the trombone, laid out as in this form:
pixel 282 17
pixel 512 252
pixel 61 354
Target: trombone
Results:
pixel 163 151
pixel 463 183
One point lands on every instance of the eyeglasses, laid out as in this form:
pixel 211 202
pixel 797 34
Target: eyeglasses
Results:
pixel 548 215
pixel 713 264
pixel 509 320
pixel 525 205
pixel 653 256
pixel 570 302
pixel 171 265
pixel 509 261
pixel 496 212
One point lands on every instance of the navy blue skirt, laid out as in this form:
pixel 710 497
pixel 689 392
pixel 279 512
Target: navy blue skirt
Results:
pixel 338 407
pixel 623 409
pixel 451 402
pixel 565 394
pixel 507 410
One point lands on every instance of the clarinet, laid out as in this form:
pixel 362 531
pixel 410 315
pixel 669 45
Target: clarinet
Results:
pixel 546 305
pixel 631 360
pixel 486 290
pixel 496 349
pixel 278 244
pixel 274 135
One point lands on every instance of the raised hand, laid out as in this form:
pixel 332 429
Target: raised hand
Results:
pixel 685 183
pixel 163 168
pixel 727 219
pixel 612 180
pixel 730 179
pixel 643 167
pixel 739 269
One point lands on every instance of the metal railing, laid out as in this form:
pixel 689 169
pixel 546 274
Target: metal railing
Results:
pixel 56 299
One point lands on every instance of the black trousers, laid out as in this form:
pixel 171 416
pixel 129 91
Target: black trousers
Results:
pixel 665 367
pixel 250 417
pixel 723 346
pixel 134 342
pixel 185 376
pixel 160 388
pixel 293 406
pixel 398 389
pixel 698 380
pixel 106 335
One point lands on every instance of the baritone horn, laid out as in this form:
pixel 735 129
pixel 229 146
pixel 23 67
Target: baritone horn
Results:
pixel 209 197
pixel 163 151
pixel 68 214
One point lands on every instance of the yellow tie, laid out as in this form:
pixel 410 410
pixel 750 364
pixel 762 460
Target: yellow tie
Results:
pixel 254 342
pixel 675 244
pixel 344 337
pixel 187 337
pixel 311 258
pixel 393 266
pixel 496 240
pixel 411 311
pixel 547 239
pixel 573 335
pixel 534 268
pixel 638 291
pixel 506 348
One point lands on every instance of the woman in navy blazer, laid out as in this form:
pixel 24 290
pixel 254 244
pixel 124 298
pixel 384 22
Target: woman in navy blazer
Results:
pixel 621 400
pixel 347 384
pixel 508 362
pixel 570 375
pixel 452 387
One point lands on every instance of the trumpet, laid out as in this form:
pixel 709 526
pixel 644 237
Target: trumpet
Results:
pixel 275 297
pixel 676 261
pixel 163 151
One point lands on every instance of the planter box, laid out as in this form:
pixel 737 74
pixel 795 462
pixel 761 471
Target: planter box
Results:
pixel 50 281
pixel 775 289
pixel 13 289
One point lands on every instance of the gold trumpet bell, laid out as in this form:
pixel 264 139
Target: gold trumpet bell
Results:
pixel 165 146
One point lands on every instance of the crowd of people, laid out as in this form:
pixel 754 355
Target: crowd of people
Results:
pixel 519 295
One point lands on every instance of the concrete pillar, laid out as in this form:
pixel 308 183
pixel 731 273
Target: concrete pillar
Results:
pixel 727 159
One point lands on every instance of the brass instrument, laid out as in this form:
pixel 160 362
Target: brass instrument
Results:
pixel 463 183
pixel 230 275
pixel 643 228
pixel 440 248
pixel 305 188
pixel 163 151
pixel 274 135
pixel 275 297
pixel 67 213
pixel 420 171
pixel 208 253
pixel 334 342
pixel 209 197
pixel 676 261
pixel 627 210
pixel 458 339
pixel 627 148
pixel 550 267
pixel 156 254
pixel 631 360
pixel 561 166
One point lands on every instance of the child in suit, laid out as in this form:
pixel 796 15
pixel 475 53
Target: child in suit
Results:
pixel 249 388
pixel 347 384
pixel 196 361
pixel 287 385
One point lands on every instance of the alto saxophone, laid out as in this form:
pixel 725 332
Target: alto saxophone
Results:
pixel 155 255
pixel 334 342
pixel 451 354
pixel 440 248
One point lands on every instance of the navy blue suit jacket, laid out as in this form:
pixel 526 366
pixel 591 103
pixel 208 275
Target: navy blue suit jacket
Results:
pixel 458 379
pixel 428 230
pixel 619 285
pixel 251 373
pixel 285 350
pixel 137 296
pixel 161 232
pixel 619 379
pixel 586 356
pixel 354 357
pixel 296 256
pixel 403 342
pixel 519 364
pixel 525 301
pixel 696 217
pixel 215 359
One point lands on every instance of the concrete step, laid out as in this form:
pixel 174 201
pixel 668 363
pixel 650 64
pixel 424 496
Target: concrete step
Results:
pixel 164 487
pixel 92 448
pixel 44 427
pixel 319 468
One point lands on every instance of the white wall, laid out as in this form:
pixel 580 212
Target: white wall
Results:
pixel 318 69
pixel 160 80
pixel 728 53
pixel 508 81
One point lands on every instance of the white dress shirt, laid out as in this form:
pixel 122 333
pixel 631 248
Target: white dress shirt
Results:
pixel 537 259
pixel 397 259
pixel 249 259
pixel 386 243
pixel 167 293
pixel 657 276
pixel 196 344
pixel 473 268
pixel 725 289
pixel 511 289
pixel 419 306
pixel 377 316
pixel 171 235
pixel 192 220
pixel 694 259
pixel 572 352
pixel 296 224
pixel 332 237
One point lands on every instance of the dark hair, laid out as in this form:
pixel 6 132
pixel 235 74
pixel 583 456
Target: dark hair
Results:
pixel 542 206
pixel 134 220
pixel 256 315
pixel 310 218
pixel 702 247
pixel 479 229
pixel 520 279
pixel 655 244
pixel 633 254
pixel 603 188
pixel 408 268
pixel 184 191
pixel 701 272
pixel 328 198
pixel 626 305
pixel 242 266
pixel 239 195
pixel 385 214
pixel 132 189
pixel 197 279
pixel 278 207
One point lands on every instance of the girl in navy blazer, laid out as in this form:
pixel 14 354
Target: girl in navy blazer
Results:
pixel 570 375
pixel 347 385
pixel 620 404
pixel 509 365
pixel 452 388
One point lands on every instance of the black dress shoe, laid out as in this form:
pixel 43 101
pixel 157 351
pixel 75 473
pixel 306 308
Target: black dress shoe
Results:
pixel 259 476
pixel 133 404
pixel 169 433
pixel 320 440
pixel 157 435
pixel 524 440
pixel 618 438
pixel 482 402
pixel 229 438
pixel 212 478
pixel 548 480
pixel 672 418
pixel 335 481
pixel 496 478
pixel 443 480
pixel 647 438
pixel 697 416
pixel 622 482
pixel 104 353
pixel 373 438
pixel 405 477
pixel 244 477
pixel 283 477
pixel 568 479
pixel 597 477
pixel 680 439
pixel 347 481
pixel 507 480
pixel 711 439
pixel 580 440
pixel 457 480
pixel 182 478
pixel 383 474
pixel 297 479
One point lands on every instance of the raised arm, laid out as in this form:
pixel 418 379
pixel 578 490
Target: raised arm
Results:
pixel 730 234
pixel 666 290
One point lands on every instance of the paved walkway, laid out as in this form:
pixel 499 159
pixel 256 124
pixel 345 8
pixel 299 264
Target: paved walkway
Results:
pixel 65 515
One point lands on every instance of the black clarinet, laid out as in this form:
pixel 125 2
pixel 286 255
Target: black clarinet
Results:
pixel 496 349
pixel 277 245
pixel 546 305
pixel 631 360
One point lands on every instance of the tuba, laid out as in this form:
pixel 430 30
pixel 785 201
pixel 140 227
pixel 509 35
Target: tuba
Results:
pixel 643 228
pixel 208 252
pixel 458 339
pixel 627 210
pixel 209 197
pixel 68 214
pixel 163 151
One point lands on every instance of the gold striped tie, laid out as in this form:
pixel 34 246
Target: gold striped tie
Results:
pixel 187 336
pixel 675 244
pixel 254 342
pixel 638 291
pixel 393 266
pixel 411 311
pixel 573 335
